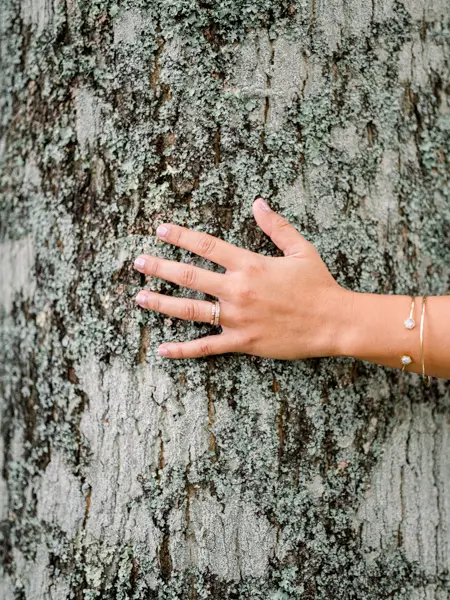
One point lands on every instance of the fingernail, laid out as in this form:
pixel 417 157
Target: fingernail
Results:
pixel 162 230
pixel 263 204
pixel 163 351
pixel 141 299
pixel 139 263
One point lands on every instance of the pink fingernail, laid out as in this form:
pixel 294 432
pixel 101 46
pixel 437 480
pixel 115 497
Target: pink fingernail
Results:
pixel 141 299
pixel 139 263
pixel 162 230
pixel 163 351
pixel 263 204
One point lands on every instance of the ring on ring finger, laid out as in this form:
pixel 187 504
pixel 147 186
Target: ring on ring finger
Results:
pixel 182 308
pixel 215 313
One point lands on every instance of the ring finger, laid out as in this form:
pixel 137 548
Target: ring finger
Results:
pixel 182 308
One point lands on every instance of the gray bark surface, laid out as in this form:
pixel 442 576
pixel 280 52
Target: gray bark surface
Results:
pixel 128 476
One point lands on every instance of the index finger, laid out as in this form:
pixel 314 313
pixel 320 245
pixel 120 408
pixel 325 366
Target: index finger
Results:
pixel 219 251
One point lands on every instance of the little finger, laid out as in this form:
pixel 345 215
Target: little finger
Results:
pixel 205 346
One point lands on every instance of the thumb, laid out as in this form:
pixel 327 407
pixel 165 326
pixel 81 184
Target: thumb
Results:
pixel 281 232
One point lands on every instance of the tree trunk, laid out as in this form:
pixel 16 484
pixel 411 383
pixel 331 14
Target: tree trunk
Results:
pixel 125 475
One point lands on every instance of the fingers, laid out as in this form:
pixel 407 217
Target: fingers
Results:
pixel 216 284
pixel 203 244
pixel 212 344
pixel 280 231
pixel 182 308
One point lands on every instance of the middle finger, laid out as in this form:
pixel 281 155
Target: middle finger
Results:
pixel 216 284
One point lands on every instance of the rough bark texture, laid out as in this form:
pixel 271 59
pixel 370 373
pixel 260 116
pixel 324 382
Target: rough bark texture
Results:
pixel 129 476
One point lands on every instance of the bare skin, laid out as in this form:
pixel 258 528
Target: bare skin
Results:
pixel 290 307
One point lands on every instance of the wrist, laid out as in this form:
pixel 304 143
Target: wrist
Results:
pixel 370 327
pixel 340 322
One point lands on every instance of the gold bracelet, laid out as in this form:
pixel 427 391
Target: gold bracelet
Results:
pixel 409 323
pixel 426 378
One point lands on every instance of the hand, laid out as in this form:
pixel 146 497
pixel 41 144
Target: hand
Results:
pixel 277 307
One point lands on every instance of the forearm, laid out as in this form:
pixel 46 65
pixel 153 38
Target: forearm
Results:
pixel 371 328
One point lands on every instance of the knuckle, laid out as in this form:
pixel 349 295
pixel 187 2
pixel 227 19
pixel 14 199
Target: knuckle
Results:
pixel 242 318
pixel 204 349
pixel 256 268
pixel 249 340
pixel 188 276
pixel 281 222
pixel 176 351
pixel 154 303
pixel 206 245
pixel 177 232
pixel 190 312
pixel 246 293
pixel 153 267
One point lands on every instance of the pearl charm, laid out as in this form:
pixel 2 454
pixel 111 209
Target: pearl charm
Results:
pixel 409 323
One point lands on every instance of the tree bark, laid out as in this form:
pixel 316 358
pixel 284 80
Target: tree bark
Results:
pixel 125 475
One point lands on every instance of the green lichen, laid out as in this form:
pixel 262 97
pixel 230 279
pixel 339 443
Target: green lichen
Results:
pixel 172 137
